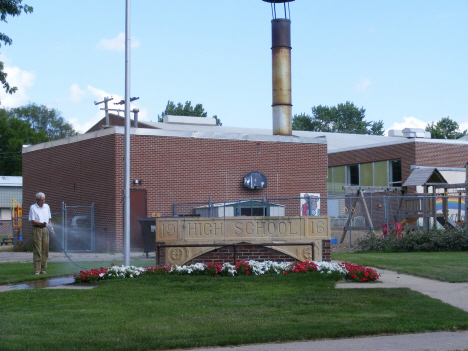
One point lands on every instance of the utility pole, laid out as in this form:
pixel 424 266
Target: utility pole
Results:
pixel 106 108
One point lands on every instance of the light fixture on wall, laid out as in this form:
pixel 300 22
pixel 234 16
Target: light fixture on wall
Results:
pixel 137 182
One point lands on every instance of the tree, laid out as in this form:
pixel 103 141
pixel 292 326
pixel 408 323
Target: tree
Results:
pixel 14 133
pixel 9 8
pixel 445 129
pixel 186 110
pixel 42 118
pixel 344 118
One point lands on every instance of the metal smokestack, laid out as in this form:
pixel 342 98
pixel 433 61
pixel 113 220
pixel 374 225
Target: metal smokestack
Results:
pixel 281 74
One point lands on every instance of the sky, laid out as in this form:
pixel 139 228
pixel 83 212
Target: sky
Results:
pixel 403 61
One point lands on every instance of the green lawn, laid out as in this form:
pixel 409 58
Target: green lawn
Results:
pixel 167 312
pixel 12 273
pixel 443 266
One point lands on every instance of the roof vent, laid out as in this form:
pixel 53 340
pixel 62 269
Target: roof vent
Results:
pixel 201 121
pixel 416 133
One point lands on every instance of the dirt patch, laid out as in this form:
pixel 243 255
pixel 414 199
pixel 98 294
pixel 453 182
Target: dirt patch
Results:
pixel 349 242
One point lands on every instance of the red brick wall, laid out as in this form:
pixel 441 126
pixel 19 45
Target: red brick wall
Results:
pixel 78 174
pixel 246 253
pixel 172 170
pixel 243 253
pixel 326 250
pixel 441 155
pixel 410 153
pixel 405 152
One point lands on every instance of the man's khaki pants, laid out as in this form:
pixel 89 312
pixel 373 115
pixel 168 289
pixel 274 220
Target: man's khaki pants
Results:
pixel 40 249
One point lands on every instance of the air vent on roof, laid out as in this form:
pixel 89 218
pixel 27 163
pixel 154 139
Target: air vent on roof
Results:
pixel 414 133
pixel 409 133
pixel 204 121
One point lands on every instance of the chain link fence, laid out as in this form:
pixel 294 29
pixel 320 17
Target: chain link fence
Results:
pixel 372 211
pixel 74 229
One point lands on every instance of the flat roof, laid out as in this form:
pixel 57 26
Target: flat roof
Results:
pixel 212 133
pixel 11 181
pixel 336 142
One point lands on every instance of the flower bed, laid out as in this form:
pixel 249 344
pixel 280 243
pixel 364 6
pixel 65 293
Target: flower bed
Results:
pixel 361 274
pixel 334 271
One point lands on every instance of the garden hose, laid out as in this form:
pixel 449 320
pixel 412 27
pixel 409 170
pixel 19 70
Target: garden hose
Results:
pixel 58 242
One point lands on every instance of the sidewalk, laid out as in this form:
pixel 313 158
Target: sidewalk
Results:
pixel 440 341
pixel 455 294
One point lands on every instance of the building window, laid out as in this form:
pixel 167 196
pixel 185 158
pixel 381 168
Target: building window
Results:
pixel 367 174
pixel 395 173
pixel 353 175
pixel 382 173
pixel 339 179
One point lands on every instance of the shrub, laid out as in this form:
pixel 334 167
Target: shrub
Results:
pixel 455 239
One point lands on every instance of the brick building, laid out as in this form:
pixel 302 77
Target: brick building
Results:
pixel 181 162
pixel 172 165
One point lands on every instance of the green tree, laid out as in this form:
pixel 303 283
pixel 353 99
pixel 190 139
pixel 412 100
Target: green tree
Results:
pixel 186 110
pixel 42 118
pixel 14 133
pixel 343 118
pixel 445 129
pixel 9 8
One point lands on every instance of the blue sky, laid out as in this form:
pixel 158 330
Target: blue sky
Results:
pixel 403 61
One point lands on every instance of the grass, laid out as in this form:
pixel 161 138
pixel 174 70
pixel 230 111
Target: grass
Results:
pixel 443 266
pixel 12 273
pixel 169 312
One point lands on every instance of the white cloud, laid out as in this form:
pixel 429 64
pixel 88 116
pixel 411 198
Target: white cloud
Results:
pixel 463 126
pixel 362 85
pixel 408 122
pixel 117 43
pixel 84 124
pixel 76 94
pixel 20 79
pixel 446 14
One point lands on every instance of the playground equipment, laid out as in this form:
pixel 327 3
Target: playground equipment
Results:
pixel 439 203
pixel 17 223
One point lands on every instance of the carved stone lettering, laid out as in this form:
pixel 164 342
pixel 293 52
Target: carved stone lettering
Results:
pixel 206 231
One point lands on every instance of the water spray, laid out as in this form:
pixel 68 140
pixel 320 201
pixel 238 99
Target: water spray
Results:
pixel 58 242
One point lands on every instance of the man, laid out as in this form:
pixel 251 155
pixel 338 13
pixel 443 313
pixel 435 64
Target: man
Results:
pixel 40 217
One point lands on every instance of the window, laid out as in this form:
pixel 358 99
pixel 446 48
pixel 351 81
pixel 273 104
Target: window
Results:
pixel 395 173
pixel 367 174
pixel 353 175
pixel 382 173
pixel 339 179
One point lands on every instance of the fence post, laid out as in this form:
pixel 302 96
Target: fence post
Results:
pixel 350 222
pixel 211 206
pixel 64 213
pixel 93 230
pixel 386 210
pixel 13 227
pixel 425 222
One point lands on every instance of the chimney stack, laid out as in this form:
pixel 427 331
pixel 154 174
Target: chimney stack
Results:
pixel 281 69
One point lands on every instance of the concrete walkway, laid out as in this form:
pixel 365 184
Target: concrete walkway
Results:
pixel 455 294
pixel 440 341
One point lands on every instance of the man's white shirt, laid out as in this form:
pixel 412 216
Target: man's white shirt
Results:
pixel 40 214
